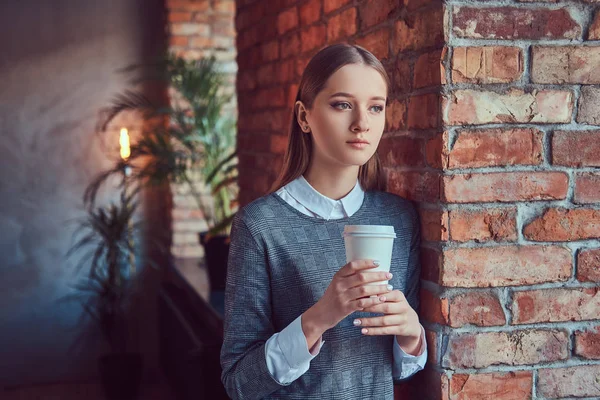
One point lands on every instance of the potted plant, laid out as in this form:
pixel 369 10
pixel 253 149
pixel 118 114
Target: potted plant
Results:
pixel 106 293
pixel 194 145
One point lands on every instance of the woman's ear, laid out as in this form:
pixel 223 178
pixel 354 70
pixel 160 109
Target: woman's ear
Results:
pixel 301 114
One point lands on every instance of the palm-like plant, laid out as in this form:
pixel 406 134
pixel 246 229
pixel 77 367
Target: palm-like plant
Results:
pixel 106 238
pixel 193 138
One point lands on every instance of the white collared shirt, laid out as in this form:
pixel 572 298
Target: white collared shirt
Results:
pixel 287 353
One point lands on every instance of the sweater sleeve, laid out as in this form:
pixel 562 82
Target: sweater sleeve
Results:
pixel 247 319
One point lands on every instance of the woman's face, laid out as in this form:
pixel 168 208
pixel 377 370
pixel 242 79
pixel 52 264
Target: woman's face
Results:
pixel 347 117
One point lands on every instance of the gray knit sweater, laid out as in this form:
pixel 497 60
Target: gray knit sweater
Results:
pixel 280 264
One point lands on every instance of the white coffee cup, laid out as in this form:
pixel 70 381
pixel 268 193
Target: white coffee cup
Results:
pixel 370 242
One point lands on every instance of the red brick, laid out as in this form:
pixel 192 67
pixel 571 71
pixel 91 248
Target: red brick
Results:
pixel 433 309
pixel 264 74
pixel 554 305
pixel 434 224
pixel 279 144
pixel 594 32
pixel 412 5
pixel 287 20
pixel 292 92
pixel 395 115
pixel 401 151
pixel 274 97
pixel 473 107
pixel 270 50
pixel 514 23
pixel 402 76
pixel 497 385
pixel 587 188
pixel 313 37
pixel 286 71
pixel 491 64
pixel 246 80
pixel 428 70
pixel 564 225
pixel 415 185
pixel 431 264
pixel 497 224
pixel 419 31
pixel 225 6
pixel 181 41
pixel 223 27
pixel 201 42
pixel 377 43
pixel 435 151
pixel 375 11
pixel 587 343
pixel 290 45
pixel 301 64
pixel 342 25
pixel 188 5
pixel 424 111
pixel 505 187
pixel 179 16
pixel 432 347
pixel 568 64
pixel 482 349
pixel 579 381
pixel 332 5
pixel 310 12
pixel 185 29
pixel 505 266
pixel 589 104
pixel 496 147
pixel 476 308
pixel 249 38
pixel 576 148
pixel 588 265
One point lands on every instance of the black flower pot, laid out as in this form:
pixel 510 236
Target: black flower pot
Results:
pixel 216 251
pixel 121 375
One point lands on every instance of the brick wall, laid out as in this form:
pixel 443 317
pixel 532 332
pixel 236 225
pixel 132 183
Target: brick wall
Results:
pixel 200 28
pixel 514 304
pixel 490 128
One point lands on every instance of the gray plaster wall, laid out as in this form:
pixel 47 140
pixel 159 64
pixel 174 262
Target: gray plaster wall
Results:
pixel 57 69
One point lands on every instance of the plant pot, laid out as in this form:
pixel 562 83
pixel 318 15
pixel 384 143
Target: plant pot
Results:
pixel 121 375
pixel 216 251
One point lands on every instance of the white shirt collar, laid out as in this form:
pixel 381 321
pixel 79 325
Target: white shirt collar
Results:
pixel 322 205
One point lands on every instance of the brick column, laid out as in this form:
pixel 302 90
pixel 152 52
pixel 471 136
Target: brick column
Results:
pixel 514 306
pixel 199 28
pixel 492 128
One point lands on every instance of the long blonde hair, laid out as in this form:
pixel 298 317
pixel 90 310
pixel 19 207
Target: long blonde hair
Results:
pixel 299 151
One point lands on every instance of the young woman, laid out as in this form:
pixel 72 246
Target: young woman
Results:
pixel 300 323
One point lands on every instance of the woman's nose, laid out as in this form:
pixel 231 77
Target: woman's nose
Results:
pixel 361 122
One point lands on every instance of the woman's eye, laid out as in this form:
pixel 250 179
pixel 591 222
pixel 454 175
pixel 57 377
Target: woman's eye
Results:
pixel 377 109
pixel 341 106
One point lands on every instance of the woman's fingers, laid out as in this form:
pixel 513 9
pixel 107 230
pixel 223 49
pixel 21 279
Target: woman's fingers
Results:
pixel 365 277
pixel 367 302
pixel 368 290
pixel 380 321
pixel 355 266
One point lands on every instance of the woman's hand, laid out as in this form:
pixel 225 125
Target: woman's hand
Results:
pixel 400 319
pixel 347 292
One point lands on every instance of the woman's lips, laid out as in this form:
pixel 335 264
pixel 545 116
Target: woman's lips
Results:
pixel 358 144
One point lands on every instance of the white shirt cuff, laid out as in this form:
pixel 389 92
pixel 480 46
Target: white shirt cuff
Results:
pixel 406 364
pixel 287 353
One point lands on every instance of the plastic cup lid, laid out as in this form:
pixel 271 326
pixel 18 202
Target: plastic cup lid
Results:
pixel 383 230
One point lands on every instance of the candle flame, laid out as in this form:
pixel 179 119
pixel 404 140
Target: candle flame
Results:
pixel 124 142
